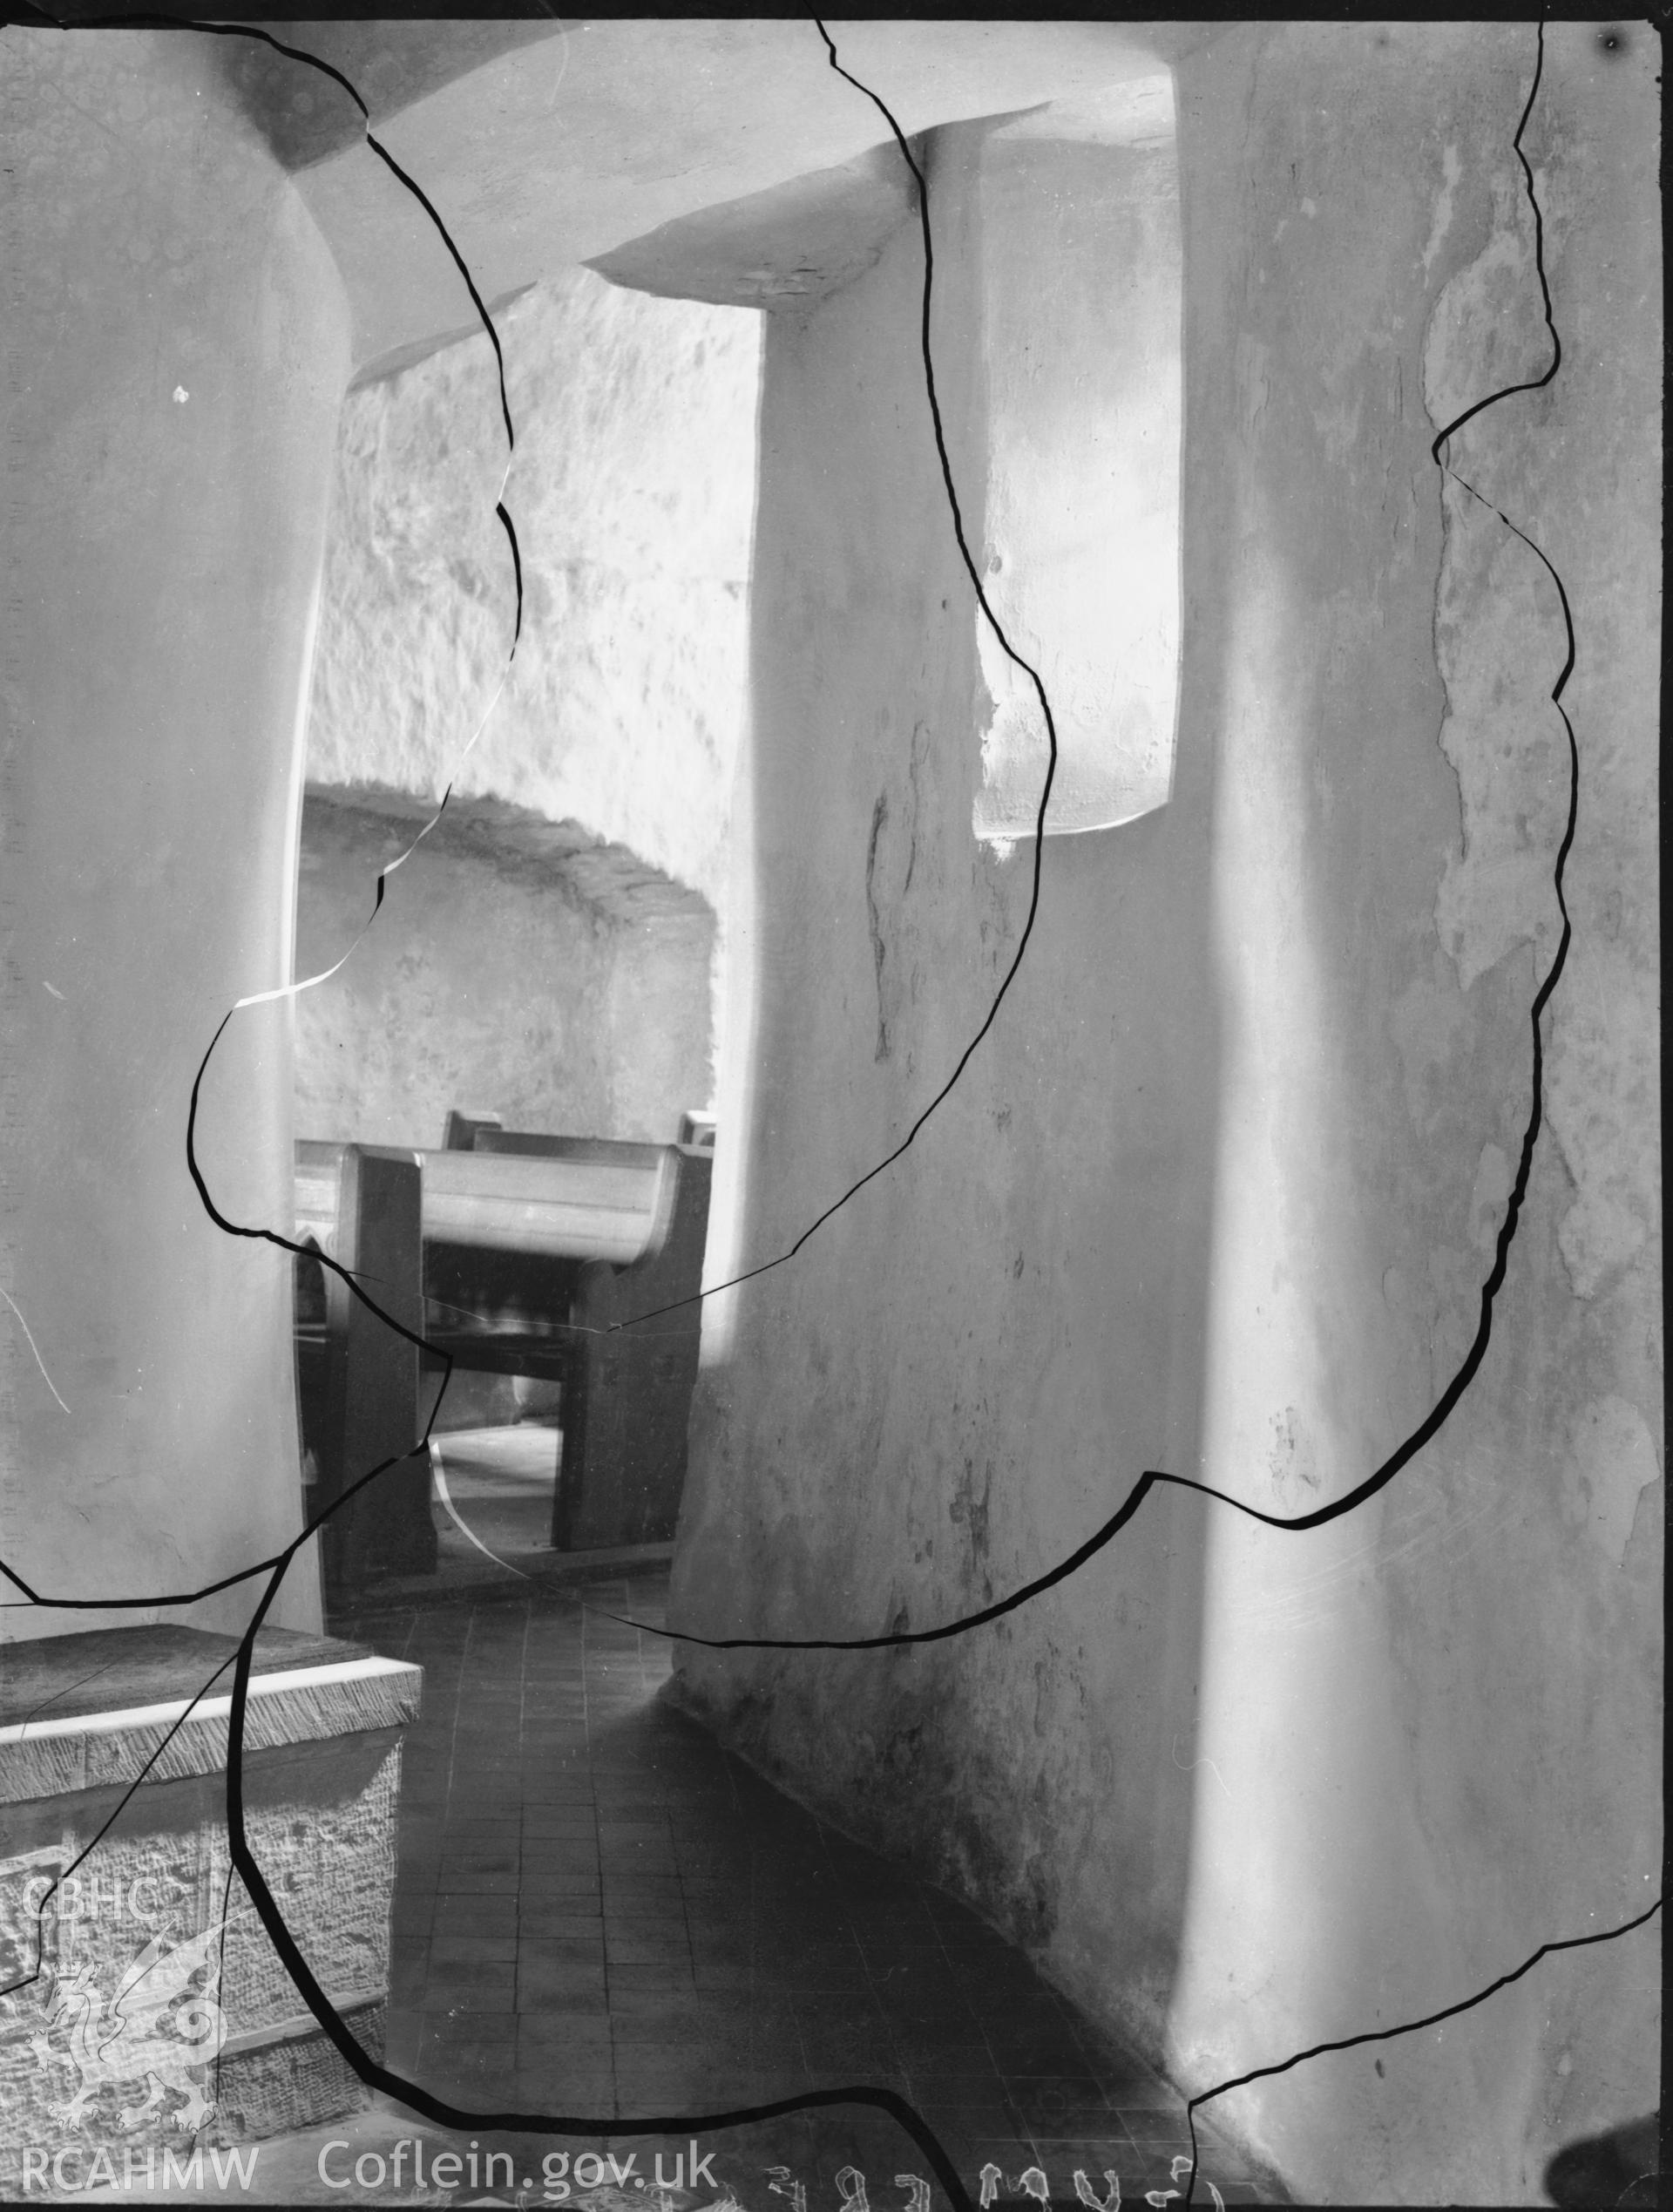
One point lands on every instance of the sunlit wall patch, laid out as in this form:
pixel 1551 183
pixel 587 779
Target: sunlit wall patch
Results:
pixel 1078 220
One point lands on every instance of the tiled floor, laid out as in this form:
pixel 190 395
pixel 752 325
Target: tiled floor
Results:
pixel 600 1913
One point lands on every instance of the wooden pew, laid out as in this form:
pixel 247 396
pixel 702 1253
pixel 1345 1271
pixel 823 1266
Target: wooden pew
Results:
pixel 358 1381
pixel 574 1198
pixel 624 1458
pixel 556 1238
pixel 518 1253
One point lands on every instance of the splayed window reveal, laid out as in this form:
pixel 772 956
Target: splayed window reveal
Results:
pixel 242 1860
pixel 1442 1409
pixel 1083 420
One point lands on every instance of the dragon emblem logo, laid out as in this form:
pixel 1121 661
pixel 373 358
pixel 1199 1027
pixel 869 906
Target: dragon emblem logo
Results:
pixel 152 2039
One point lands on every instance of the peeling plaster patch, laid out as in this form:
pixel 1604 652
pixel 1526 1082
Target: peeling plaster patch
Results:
pixel 1494 1178
pixel 1427 1025
pixel 1292 1450
pixel 1496 618
pixel 1339 428
pixel 1488 329
pixel 966 1510
pixel 1611 1458
pixel 1251 368
pixel 1498 635
pixel 1601 1096
pixel 1452 170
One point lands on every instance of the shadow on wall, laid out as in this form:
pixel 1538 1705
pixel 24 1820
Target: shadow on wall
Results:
pixel 493 973
pixel 1621 2167
pixel 972 1362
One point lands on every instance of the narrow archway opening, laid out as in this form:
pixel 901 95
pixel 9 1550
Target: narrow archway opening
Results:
pixel 534 1003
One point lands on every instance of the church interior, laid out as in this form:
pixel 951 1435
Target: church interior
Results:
pixel 830 1220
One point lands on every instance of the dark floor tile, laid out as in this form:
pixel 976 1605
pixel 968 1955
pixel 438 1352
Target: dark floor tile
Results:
pixel 558 1924
pixel 553 1921
pixel 974 2117
pixel 1044 2102
pixel 466 2035
pixel 570 2000
pixel 1140 2093
pixel 688 2086
pixel 477 2086
pixel 819 1967
pixel 467 2007
pixel 1049 2048
pixel 716 1933
pixel 661 1934
pixel 585 1949
pixel 777 2010
pixel 626 1895
pixel 956 2079
pixel 636 1982
pixel 578 2093
pixel 721 1975
pixel 832 2044
pixel 672 2016
pixel 940 2060
pixel 562 1855
pixel 537 1986
pixel 929 2012
pixel 487 1854
pixel 669 1949
pixel 1149 2124
pixel 445 1952
pixel 467 1914
pixel 423 1832
pixel 1088 2147
pixel 461 1972
pixel 721 1931
pixel 690 1939
pixel 584 2042
pixel 469 1882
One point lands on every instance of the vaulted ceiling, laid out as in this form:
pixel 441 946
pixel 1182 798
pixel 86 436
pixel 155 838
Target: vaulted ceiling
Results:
pixel 543 142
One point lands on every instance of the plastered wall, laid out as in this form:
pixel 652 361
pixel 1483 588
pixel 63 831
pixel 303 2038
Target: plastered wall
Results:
pixel 176 339
pixel 1218 1193
pixel 488 986
pixel 632 487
